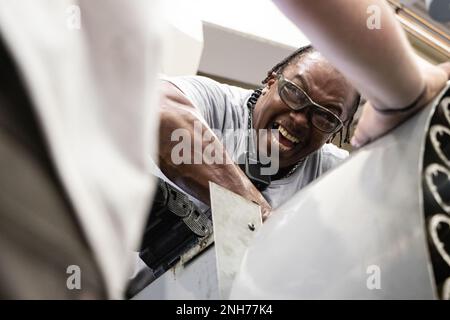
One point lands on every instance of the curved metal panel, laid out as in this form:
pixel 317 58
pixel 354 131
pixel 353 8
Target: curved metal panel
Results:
pixel 359 232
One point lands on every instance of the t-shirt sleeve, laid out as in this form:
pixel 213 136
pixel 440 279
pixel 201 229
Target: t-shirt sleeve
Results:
pixel 332 156
pixel 215 102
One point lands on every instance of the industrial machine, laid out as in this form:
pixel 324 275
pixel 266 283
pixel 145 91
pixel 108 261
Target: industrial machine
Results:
pixel 376 227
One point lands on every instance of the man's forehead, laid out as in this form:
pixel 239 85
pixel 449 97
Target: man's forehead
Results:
pixel 312 65
pixel 301 79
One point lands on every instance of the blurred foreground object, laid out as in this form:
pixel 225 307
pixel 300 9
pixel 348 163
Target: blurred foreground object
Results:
pixel 89 68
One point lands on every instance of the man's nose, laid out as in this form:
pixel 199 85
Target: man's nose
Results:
pixel 300 117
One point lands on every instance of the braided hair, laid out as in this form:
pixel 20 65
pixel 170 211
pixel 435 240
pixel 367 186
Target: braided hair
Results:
pixel 297 54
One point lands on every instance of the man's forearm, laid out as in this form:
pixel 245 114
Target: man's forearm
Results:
pixel 194 177
pixel 377 59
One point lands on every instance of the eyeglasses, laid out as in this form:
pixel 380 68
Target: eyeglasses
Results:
pixel 297 99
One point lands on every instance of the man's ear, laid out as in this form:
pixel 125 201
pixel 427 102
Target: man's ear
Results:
pixel 270 82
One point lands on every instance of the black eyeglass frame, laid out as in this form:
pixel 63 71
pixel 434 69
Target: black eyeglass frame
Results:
pixel 282 82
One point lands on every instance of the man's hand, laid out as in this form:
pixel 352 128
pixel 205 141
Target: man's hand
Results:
pixel 373 124
pixel 176 112
pixel 266 210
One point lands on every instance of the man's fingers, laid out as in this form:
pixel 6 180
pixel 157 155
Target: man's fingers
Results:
pixel 266 212
pixel 360 138
pixel 446 67
pixel 355 142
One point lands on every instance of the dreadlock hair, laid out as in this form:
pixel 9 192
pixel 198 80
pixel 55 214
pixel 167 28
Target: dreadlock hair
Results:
pixel 297 54
pixel 300 52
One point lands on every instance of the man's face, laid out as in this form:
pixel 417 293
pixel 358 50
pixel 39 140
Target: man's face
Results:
pixel 324 85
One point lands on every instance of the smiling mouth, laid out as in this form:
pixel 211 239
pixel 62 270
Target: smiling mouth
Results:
pixel 285 139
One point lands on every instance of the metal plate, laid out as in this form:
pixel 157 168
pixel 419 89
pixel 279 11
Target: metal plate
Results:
pixel 235 222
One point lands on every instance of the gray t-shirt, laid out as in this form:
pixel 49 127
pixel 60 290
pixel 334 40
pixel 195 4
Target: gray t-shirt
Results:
pixel 224 108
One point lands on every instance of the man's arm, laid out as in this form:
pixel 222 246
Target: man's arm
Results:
pixel 176 112
pixel 378 61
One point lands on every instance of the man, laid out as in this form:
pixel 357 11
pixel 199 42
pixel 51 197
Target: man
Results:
pixel 304 98
pixel 379 61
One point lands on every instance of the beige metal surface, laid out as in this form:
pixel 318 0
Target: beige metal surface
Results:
pixel 236 222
